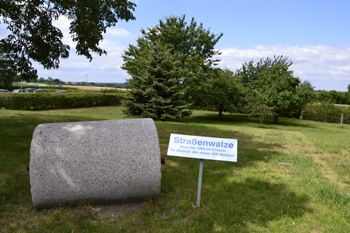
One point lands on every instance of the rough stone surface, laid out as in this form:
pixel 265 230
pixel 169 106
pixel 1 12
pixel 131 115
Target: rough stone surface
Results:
pixel 98 161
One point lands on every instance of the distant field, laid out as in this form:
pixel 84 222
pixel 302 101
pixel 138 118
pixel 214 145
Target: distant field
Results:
pixel 93 88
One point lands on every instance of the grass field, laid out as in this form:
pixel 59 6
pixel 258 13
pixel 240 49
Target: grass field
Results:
pixel 291 177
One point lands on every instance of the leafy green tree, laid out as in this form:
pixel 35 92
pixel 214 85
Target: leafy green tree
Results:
pixel 258 108
pixel 17 78
pixel 336 96
pixel 220 93
pixel 256 102
pixel 156 86
pixel 327 107
pixel 34 38
pixel 56 81
pixel 192 46
pixel 274 79
pixel 6 72
pixel 322 96
pixel 41 80
pixel 305 94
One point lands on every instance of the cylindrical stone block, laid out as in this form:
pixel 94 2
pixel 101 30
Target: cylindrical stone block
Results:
pixel 97 161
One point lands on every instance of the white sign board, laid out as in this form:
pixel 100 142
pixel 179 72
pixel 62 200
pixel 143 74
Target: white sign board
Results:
pixel 197 147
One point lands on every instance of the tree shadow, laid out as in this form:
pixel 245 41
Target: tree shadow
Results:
pixel 249 150
pixel 226 203
pixel 252 201
pixel 15 140
pixel 244 120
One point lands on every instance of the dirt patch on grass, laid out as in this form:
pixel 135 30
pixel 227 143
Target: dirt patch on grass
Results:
pixel 112 210
pixel 345 152
pixel 299 148
pixel 327 171
pixel 318 160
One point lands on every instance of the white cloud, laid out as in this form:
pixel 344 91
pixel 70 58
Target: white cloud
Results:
pixel 63 24
pixel 120 32
pixel 100 69
pixel 324 66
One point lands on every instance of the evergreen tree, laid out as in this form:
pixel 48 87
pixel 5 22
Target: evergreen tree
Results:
pixel 191 44
pixel 156 90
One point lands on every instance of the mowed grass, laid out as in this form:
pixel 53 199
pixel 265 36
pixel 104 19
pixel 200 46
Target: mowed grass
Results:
pixel 291 177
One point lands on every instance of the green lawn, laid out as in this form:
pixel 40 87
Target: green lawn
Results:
pixel 291 177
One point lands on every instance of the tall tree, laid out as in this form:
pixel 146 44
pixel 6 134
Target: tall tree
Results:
pixel 258 108
pixel 335 96
pixel 33 37
pixel 256 101
pixel 192 46
pixel 274 79
pixel 305 93
pixel 6 72
pixel 156 86
pixel 221 92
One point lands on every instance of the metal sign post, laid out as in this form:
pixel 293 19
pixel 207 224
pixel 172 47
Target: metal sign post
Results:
pixel 197 147
pixel 200 183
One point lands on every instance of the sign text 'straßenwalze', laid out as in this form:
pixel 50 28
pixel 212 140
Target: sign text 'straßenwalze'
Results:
pixel 203 147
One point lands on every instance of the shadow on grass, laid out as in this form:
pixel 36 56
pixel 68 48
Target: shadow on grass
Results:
pixel 228 204
pixel 244 120
pixel 249 150
pixel 253 201
pixel 15 139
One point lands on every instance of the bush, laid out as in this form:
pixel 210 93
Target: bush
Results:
pixel 43 101
pixel 112 91
pixel 326 113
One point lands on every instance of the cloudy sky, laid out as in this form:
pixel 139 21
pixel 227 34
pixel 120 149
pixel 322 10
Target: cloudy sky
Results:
pixel 314 34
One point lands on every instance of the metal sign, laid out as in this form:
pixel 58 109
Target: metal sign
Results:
pixel 197 147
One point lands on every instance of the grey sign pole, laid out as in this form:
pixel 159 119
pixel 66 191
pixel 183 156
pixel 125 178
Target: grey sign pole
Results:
pixel 200 183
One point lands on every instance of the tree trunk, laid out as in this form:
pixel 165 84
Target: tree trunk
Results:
pixel 221 109
pixel 220 114
pixel 276 120
pixel 261 122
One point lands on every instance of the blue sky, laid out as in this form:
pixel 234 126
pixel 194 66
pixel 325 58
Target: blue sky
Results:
pixel 315 35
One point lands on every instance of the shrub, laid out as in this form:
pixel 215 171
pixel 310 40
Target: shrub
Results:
pixel 112 91
pixel 43 101
pixel 326 113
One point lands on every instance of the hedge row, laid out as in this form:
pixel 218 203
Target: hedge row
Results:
pixel 327 113
pixel 43 101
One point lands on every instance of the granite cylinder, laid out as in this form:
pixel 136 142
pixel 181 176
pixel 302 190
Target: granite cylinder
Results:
pixel 97 161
